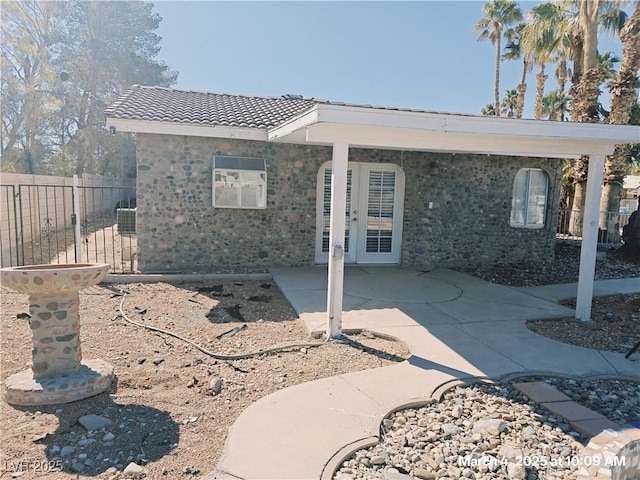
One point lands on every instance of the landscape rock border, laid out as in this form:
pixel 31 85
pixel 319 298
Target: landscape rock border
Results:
pixel 609 438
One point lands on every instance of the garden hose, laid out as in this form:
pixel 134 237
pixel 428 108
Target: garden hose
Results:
pixel 217 356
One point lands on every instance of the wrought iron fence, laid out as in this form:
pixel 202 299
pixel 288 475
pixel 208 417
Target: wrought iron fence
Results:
pixel 9 232
pixel 41 224
pixel 102 238
pixel 610 226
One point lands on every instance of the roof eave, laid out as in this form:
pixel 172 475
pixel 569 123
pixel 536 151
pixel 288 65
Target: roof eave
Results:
pixel 380 128
pixel 186 129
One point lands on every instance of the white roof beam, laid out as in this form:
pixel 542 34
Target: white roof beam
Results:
pixel 410 139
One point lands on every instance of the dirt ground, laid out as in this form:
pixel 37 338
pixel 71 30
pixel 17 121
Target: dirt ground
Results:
pixel 163 413
pixel 614 326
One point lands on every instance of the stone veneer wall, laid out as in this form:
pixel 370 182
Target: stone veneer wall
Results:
pixel 179 230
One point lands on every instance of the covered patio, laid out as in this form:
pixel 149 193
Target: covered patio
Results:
pixel 458 328
pixel 344 127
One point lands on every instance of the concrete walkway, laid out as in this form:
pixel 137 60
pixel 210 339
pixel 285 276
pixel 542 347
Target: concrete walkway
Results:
pixel 457 327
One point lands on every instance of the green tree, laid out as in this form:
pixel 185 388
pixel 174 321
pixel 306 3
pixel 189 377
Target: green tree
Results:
pixel 84 54
pixel 624 89
pixel 488 110
pixel 542 39
pixel 499 16
pixel 114 47
pixel 624 103
pixel 514 50
pixel 509 103
pixel 555 105
pixel 607 64
pixel 592 15
pixel 31 34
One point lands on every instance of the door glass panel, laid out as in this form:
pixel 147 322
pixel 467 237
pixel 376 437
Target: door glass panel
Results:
pixel 326 211
pixel 380 211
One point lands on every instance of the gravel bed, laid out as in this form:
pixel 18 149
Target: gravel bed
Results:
pixel 563 269
pixel 488 432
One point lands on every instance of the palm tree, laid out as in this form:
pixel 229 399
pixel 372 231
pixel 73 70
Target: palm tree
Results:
pixel 554 105
pixel 488 110
pixel 510 103
pixel 623 88
pixel 499 15
pixel 542 38
pixel 592 15
pixel 623 98
pixel 516 51
pixel 607 64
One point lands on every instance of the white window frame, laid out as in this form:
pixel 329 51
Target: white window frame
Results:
pixel 240 169
pixel 520 203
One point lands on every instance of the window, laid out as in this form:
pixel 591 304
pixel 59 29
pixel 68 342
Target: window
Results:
pixel 529 202
pixel 239 182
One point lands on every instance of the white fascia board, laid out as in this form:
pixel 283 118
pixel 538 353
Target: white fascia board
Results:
pixel 186 129
pixel 411 139
pixel 445 122
pixel 300 122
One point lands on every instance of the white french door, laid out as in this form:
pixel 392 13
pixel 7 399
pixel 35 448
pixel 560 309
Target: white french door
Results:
pixel 373 216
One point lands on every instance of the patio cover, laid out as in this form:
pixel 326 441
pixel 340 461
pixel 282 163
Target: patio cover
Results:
pixel 345 126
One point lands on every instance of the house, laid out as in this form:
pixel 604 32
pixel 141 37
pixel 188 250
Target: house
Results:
pixel 214 194
pixel 234 183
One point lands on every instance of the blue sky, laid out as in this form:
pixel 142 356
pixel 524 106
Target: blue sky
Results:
pixel 397 54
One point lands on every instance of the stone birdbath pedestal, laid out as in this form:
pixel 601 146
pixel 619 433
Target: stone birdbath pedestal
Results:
pixel 58 374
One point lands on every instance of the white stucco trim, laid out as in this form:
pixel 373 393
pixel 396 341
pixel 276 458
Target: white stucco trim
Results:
pixel 186 129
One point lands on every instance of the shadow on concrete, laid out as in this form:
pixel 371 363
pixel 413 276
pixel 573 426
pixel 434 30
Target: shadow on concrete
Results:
pixel 453 320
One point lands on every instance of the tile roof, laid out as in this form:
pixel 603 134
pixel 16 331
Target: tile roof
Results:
pixel 210 109
pixel 203 108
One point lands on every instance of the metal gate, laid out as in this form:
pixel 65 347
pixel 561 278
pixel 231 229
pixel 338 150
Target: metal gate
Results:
pixel 55 224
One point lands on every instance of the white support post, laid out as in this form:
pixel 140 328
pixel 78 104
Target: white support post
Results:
pixel 76 214
pixel 335 285
pixel 589 245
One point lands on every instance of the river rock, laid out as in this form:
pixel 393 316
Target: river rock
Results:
pixel 94 422
pixel 132 469
pixel 516 471
pixel 490 426
pixel 67 451
pixel 423 474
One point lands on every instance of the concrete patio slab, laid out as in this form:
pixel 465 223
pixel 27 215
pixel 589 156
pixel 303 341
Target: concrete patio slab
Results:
pixel 453 347
pixel 536 353
pixel 601 288
pixel 624 367
pixel 457 327
pixel 488 302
